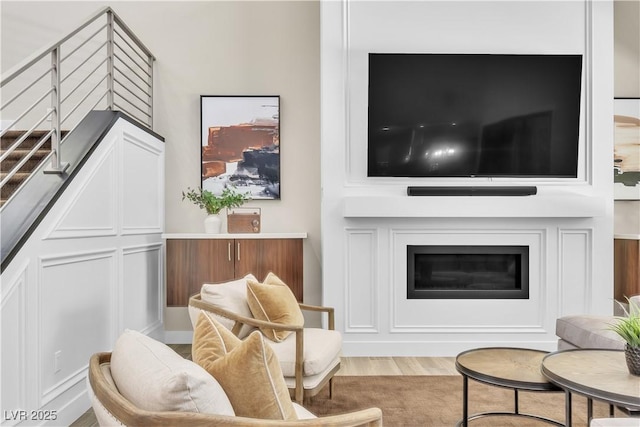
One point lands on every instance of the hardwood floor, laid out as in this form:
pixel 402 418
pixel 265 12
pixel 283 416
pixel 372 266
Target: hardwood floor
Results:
pixel 361 366
pixel 376 365
pixel 397 366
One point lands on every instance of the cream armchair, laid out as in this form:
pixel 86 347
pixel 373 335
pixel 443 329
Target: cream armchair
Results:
pixel 145 383
pixel 309 357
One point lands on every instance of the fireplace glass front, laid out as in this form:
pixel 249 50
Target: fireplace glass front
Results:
pixel 468 272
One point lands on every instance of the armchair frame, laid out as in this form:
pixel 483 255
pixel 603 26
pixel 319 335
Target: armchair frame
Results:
pixel 129 414
pixel 299 393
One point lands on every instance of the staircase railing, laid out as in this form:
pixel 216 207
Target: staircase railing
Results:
pixel 100 65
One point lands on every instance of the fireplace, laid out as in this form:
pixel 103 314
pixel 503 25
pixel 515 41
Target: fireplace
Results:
pixel 467 272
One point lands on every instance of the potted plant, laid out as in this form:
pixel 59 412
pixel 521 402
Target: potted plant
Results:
pixel 628 327
pixel 213 204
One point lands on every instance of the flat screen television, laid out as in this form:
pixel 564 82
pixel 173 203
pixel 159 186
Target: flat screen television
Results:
pixel 473 115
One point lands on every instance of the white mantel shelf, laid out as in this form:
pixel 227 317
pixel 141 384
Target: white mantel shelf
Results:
pixel 235 236
pixel 538 206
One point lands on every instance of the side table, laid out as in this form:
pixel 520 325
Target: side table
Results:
pixel 596 374
pixel 514 368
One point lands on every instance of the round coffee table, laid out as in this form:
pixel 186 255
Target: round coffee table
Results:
pixel 514 368
pixel 596 374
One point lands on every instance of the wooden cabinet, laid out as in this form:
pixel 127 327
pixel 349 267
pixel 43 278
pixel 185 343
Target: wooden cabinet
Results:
pixel 626 264
pixel 194 261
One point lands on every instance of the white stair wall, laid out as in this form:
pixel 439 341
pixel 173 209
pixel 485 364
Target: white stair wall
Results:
pixel 92 268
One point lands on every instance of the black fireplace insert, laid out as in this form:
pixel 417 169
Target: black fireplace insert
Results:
pixel 467 272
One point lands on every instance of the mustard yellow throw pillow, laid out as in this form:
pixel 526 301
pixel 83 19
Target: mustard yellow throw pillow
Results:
pixel 274 302
pixel 248 370
pixel 211 340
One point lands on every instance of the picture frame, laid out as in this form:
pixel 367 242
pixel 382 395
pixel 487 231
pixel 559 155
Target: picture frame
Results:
pixel 626 149
pixel 240 144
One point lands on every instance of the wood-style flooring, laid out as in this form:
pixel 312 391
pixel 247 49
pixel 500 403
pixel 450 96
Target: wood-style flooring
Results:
pixel 349 366
pixel 397 366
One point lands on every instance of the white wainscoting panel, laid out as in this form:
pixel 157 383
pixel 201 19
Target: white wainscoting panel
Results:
pixel 78 280
pixel 574 278
pixel 92 210
pixel 446 316
pixel 76 295
pixel 143 169
pixel 13 332
pixel 141 271
pixel 362 280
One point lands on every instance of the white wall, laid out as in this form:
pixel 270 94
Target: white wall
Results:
pixel 567 226
pixel 93 267
pixel 627 48
pixel 214 48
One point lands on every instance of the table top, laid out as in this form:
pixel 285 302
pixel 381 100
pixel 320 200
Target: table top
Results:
pixel 509 367
pixel 598 374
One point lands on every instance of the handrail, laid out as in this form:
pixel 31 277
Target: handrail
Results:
pixel 132 35
pixel 29 61
pixel 97 59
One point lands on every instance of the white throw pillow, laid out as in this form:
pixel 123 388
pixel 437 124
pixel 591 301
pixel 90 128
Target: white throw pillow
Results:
pixel 230 296
pixel 155 378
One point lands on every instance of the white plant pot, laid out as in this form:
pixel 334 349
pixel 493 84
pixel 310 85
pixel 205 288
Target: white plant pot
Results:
pixel 212 224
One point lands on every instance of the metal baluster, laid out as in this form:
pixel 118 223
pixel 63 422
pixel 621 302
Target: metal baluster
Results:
pixel 150 94
pixel 56 164
pixel 110 58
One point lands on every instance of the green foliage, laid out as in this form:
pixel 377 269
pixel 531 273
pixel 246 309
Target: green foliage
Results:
pixel 205 199
pixel 628 326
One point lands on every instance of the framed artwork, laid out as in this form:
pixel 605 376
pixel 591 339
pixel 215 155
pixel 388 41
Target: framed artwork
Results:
pixel 240 137
pixel 626 166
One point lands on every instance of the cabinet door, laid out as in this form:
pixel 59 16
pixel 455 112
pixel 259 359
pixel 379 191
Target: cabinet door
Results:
pixel 192 262
pixel 281 256
pixel 626 264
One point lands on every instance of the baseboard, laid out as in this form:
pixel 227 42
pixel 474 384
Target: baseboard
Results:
pixel 155 331
pixel 66 408
pixel 431 349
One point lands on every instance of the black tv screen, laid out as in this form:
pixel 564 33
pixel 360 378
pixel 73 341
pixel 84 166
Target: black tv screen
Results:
pixel 473 115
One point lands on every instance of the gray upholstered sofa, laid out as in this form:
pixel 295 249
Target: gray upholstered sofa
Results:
pixel 588 331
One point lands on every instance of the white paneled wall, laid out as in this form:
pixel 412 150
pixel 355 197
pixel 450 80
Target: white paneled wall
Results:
pixel 92 268
pixel 367 223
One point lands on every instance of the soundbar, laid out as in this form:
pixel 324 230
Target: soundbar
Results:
pixel 472 191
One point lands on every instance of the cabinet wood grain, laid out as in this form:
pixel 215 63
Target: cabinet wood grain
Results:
pixel 626 268
pixel 192 262
pixel 281 256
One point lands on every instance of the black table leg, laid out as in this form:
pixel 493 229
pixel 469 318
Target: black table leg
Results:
pixel 516 409
pixel 465 400
pixel 567 407
pixel 589 410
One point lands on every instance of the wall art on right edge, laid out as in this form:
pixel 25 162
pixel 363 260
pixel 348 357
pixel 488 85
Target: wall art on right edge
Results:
pixel 626 150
